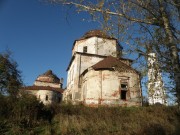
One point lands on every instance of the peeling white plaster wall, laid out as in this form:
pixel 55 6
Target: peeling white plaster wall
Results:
pixel 38 83
pixel 99 87
pixel 103 87
pixel 97 46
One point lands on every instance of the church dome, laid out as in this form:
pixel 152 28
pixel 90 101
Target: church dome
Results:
pixel 96 33
pixel 48 77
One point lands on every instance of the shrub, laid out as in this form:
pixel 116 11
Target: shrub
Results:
pixel 28 116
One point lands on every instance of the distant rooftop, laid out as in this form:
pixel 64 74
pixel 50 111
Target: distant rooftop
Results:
pixel 49 77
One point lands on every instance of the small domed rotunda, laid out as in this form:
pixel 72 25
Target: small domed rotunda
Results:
pixel 47 88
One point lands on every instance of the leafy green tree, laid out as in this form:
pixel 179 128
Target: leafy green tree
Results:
pixel 10 76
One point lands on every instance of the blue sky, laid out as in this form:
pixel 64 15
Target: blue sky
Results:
pixel 40 35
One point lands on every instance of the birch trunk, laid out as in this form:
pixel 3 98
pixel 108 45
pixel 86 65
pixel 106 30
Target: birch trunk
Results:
pixel 173 50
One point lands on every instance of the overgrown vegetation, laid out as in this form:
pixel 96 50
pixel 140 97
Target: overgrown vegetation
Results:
pixel 116 120
pixel 27 116
pixel 10 76
pixel 23 115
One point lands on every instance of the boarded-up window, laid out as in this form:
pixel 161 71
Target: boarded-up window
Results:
pixel 84 49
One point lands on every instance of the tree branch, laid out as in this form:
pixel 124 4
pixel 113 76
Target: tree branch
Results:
pixel 95 9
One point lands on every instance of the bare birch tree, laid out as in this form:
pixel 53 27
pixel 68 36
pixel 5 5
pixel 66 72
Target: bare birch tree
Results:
pixel 140 23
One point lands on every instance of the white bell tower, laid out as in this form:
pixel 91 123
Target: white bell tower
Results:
pixel 156 92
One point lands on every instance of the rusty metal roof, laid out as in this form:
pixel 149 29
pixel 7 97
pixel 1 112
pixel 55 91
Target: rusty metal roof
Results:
pixel 49 77
pixel 42 88
pixel 113 63
pixel 95 33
